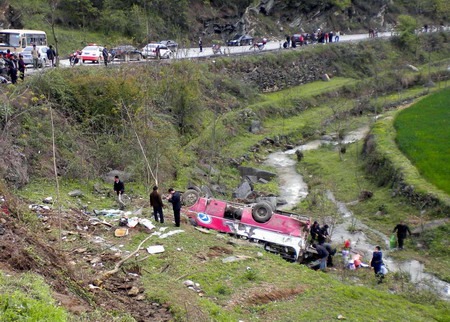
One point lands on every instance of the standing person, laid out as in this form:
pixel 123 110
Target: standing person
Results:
pixel 22 67
pixel 105 55
pixel 200 44
pixel 323 235
pixel 402 231
pixel 158 52
pixel 2 65
pixel 8 54
pixel 175 200
pixel 376 263
pixel 330 36
pixel 337 36
pixel 13 64
pixel 314 231
pixel 119 188
pixel 326 37
pixel 157 204
pixel 35 55
pixel 331 252
pixel 323 255
pixel 51 55
pixel 288 40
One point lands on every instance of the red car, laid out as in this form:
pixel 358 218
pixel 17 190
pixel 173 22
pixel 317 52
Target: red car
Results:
pixel 281 232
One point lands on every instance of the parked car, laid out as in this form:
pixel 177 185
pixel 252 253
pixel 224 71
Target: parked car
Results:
pixel 125 53
pixel 281 232
pixel 28 59
pixel 172 45
pixel 92 53
pixel 241 40
pixel 149 51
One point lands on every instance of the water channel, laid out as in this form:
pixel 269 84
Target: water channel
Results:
pixel 293 189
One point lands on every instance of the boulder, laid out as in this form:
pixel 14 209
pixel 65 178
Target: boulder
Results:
pixel 243 191
pixel 124 176
pixel 325 78
pixel 255 126
pixel 206 191
pixel 252 179
pixel 75 193
pixel 250 171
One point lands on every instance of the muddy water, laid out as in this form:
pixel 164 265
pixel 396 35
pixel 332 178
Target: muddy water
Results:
pixel 293 189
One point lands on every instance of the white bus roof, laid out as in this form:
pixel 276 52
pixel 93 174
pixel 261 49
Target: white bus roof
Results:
pixel 23 31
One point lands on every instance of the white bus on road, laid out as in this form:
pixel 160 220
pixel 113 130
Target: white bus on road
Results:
pixel 16 40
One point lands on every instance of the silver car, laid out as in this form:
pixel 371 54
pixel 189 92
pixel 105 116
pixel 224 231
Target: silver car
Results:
pixel 28 59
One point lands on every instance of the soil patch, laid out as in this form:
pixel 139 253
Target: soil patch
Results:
pixel 274 295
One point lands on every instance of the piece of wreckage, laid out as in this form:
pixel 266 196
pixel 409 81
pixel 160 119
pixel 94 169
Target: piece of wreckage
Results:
pixel 281 232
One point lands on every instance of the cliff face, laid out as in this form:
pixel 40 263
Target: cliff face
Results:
pixel 9 18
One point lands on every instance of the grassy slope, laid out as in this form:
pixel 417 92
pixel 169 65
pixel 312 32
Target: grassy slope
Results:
pixel 423 135
pixel 28 298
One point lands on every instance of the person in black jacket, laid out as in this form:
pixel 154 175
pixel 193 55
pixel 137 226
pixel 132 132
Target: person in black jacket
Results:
pixel 323 255
pixel 119 188
pixel 314 231
pixel 402 231
pixel 331 252
pixel 51 55
pixel 157 204
pixel 175 200
pixel 105 55
pixel 323 234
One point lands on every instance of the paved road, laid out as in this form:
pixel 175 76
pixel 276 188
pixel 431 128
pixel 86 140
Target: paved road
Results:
pixel 192 53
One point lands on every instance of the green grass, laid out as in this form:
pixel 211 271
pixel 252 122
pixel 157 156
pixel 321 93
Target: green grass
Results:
pixel 323 170
pixel 423 135
pixel 27 297
pixel 228 287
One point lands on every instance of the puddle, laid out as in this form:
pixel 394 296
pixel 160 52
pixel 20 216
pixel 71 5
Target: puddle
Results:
pixel 293 189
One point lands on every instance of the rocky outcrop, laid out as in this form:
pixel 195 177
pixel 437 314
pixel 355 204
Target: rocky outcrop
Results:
pixel 14 165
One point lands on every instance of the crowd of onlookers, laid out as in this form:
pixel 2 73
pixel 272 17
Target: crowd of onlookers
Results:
pixel 13 65
pixel 319 36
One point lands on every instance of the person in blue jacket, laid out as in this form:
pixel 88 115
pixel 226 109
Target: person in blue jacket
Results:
pixel 376 263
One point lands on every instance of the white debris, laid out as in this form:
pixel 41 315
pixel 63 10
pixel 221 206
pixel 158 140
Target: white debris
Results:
pixel 132 222
pixel 156 249
pixel 147 223
pixel 170 233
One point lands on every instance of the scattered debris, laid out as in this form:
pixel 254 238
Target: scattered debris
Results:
pixel 193 286
pixel 147 224
pixel 48 200
pixel 170 233
pixel 120 232
pixel 236 258
pixel 132 222
pixel 203 230
pixel 140 297
pixel 2 230
pixel 38 207
pixel 156 249
pixel 134 291
pixel 341 317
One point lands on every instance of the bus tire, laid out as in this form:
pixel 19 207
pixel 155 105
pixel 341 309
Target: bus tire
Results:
pixel 190 197
pixel 262 212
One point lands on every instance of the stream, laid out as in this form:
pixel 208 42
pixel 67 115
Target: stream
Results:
pixel 293 189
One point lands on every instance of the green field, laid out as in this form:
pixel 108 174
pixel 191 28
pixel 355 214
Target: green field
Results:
pixel 423 135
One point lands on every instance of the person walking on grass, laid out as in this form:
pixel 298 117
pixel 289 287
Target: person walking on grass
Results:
pixel 175 200
pixel 377 263
pixel 402 231
pixel 119 189
pixel 323 255
pixel 157 204
pixel 35 55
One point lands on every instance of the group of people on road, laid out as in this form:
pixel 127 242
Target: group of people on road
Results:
pixel 156 201
pixel 10 66
pixel 13 66
pixel 319 36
